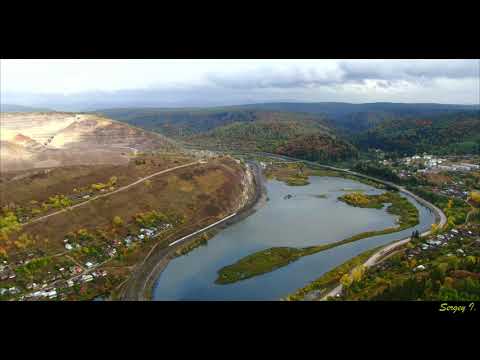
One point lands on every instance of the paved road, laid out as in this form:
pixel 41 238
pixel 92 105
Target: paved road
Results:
pixel 123 188
pixel 201 230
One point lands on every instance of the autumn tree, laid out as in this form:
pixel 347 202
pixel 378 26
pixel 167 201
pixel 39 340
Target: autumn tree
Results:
pixel 475 198
pixel 357 273
pixel 23 241
pixel 346 280
pixel 117 221
pixel 9 223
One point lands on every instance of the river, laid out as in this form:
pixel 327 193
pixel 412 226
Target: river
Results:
pixel 303 220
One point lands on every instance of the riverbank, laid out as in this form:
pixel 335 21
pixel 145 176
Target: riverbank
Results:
pixel 193 276
pixel 268 260
pixel 328 281
pixel 142 281
pixel 440 217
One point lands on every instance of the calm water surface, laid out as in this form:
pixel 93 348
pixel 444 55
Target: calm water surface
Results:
pixel 302 220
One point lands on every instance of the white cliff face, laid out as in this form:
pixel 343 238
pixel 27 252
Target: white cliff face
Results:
pixel 248 187
pixel 39 127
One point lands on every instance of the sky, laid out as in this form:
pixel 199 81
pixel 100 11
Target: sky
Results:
pixel 93 84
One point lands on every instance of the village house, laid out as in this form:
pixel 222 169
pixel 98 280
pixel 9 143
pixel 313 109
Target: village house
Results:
pixel 419 268
pixel 87 278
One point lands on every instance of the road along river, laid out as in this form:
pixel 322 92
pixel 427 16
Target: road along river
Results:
pixel 312 216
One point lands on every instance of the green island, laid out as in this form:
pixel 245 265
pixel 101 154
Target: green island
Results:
pixel 352 190
pixel 297 180
pixel 267 260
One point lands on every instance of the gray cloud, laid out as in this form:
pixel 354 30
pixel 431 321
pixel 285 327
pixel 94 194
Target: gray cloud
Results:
pixel 410 70
pixel 276 77
pixel 442 81
pixel 388 72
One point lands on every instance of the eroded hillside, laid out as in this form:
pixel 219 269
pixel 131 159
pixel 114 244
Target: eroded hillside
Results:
pixel 39 140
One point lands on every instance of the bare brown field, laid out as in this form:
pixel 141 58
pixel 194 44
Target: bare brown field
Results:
pixel 21 187
pixel 203 191
pixel 438 178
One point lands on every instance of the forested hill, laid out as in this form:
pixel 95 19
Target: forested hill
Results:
pixel 352 118
pixel 179 123
pixel 393 127
pixel 453 133
pixel 345 117
pixel 304 138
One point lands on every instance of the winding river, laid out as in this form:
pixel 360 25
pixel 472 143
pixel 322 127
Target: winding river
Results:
pixel 312 216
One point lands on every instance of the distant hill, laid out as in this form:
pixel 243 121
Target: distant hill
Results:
pixel 283 133
pixel 398 127
pixel 20 108
pixel 346 117
pixel 451 133
pixel 352 118
pixel 180 123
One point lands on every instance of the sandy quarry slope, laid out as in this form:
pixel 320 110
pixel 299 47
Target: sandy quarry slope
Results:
pixel 37 140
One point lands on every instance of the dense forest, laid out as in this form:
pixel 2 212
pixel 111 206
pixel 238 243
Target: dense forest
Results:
pixel 305 139
pixel 404 129
pixel 345 117
pixel 457 133
pixel 179 123
pixel 318 147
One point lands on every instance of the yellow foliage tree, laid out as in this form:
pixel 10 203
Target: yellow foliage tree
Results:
pixel 357 272
pixel 475 198
pixel 346 280
pixel 24 241
pixel 117 221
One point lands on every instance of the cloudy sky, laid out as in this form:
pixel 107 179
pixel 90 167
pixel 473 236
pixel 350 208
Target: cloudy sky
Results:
pixel 90 84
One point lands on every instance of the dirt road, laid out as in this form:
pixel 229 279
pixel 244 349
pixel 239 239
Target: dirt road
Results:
pixel 123 188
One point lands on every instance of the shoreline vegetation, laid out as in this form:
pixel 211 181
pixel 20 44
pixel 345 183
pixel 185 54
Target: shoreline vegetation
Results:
pixel 297 174
pixel 198 241
pixel 322 285
pixel 268 260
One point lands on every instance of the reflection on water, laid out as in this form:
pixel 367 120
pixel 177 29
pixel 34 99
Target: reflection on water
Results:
pixel 304 219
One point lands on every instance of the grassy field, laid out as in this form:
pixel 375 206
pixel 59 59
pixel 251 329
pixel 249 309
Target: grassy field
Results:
pixel 265 261
pixel 33 193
